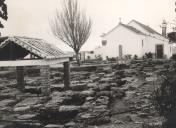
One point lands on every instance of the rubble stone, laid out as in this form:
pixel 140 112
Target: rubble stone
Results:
pixel 33 89
pixel 106 80
pixel 27 116
pixel 54 126
pixel 79 87
pixel 104 87
pixel 57 87
pixel 7 102
pixel 104 93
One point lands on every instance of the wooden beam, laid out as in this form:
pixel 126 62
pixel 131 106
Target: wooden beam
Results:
pixel 32 62
pixel 67 75
pixel 20 78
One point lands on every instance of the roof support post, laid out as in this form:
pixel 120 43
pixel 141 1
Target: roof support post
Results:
pixel 45 74
pixel 20 77
pixel 67 74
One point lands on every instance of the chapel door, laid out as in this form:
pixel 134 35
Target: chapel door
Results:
pixel 159 51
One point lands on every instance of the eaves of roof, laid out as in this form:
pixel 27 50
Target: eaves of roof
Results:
pixel 147 28
pixel 36 46
pixel 126 26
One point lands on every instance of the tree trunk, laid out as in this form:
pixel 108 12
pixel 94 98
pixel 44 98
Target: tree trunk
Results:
pixel 77 58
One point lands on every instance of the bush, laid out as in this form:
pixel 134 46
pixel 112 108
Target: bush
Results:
pixel 112 59
pixel 166 66
pixel 149 55
pixel 99 57
pixel 173 57
pixel 128 56
pixel 164 99
pixel 135 57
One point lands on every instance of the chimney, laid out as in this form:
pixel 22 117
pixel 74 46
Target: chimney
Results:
pixel 164 28
pixel 120 20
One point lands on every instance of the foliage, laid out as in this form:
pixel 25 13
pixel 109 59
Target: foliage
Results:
pixel 149 55
pixel 71 25
pixel 99 57
pixel 135 57
pixel 111 59
pixel 166 66
pixel 172 36
pixel 3 12
pixel 173 57
pixel 128 56
pixel 164 98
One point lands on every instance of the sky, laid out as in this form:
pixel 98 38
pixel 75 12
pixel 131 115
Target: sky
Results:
pixel 31 17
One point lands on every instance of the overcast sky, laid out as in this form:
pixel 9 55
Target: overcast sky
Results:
pixel 31 17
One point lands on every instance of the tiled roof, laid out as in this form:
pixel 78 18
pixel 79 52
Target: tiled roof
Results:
pixel 147 28
pixel 132 29
pixel 36 46
pixel 126 26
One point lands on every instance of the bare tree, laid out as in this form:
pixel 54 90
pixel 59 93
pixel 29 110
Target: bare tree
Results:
pixel 3 12
pixel 72 26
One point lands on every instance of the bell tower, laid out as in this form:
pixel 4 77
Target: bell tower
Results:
pixel 164 28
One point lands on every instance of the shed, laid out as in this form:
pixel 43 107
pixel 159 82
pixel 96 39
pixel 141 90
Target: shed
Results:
pixel 24 51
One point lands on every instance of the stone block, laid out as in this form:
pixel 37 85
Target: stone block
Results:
pixel 93 86
pixel 7 102
pixel 57 87
pixel 54 126
pixel 27 116
pixel 79 87
pixel 33 89
pixel 70 125
pixel 24 109
pixel 106 80
pixel 104 87
pixel 104 93
pixel 68 108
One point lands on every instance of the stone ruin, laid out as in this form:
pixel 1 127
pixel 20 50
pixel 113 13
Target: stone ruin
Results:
pixel 90 101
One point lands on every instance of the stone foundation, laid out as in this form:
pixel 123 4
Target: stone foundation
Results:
pixel 20 77
pixel 45 82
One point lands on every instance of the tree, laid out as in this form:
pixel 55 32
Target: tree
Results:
pixel 3 12
pixel 164 97
pixel 72 26
pixel 172 37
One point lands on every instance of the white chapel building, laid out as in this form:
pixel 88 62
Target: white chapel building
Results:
pixel 135 38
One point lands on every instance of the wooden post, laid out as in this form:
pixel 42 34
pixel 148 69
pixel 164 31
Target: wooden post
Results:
pixel 67 75
pixel 45 74
pixel 20 77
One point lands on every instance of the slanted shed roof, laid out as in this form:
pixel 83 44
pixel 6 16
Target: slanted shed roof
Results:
pixel 14 51
pixel 27 45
